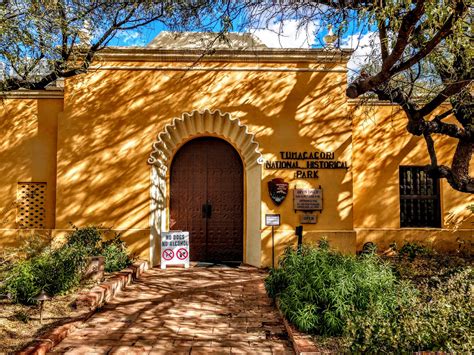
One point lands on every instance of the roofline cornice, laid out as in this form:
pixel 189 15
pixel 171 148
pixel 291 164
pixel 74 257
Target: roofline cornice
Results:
pixel 287 55
pixel 364 101
pixel 56 93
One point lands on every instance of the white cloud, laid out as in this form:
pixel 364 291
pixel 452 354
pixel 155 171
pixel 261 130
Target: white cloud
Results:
pixel 129 37
pixel 286 34
pixel 366 49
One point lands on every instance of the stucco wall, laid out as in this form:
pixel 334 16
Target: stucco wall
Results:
pixel 381 144
pixel 111 118
pixel 27 154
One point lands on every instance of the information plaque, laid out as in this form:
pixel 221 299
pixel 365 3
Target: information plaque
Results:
pixel 308 199
pixel 308 219
pixel 272 219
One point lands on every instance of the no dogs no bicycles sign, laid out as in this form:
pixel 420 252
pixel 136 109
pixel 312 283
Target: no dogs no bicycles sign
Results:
pixel 174 248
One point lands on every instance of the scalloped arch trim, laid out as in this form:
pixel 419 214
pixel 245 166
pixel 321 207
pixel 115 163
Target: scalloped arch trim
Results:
pixel 204 122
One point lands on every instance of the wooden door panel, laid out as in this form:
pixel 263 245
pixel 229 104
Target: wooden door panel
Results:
pixel 225 194
pixel 208 170
pixel 188 192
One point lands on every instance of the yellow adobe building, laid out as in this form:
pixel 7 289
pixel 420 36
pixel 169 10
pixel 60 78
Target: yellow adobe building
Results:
pixel 159 138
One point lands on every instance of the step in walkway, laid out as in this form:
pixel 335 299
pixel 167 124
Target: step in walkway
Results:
pixel 200 310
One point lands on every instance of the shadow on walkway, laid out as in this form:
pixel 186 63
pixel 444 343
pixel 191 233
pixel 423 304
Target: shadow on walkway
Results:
pixel 196 310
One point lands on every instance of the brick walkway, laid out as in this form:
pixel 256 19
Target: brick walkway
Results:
pixel 198 311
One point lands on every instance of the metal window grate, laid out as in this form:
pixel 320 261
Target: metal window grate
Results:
pixel 31 205
pixel 419 198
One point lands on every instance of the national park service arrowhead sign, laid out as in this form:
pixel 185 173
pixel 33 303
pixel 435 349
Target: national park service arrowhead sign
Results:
pixel 278 189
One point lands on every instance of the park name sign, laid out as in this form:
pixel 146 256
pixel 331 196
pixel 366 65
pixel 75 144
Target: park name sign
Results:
pixel 174 248
pixel 306 164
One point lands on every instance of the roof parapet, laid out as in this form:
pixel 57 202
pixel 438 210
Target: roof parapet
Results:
pixel 275 55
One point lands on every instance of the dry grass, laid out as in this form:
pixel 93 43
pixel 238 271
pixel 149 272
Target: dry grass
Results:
pixel 20 325
pixel 431 266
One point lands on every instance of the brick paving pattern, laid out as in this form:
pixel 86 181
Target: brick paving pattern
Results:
pixel 198 311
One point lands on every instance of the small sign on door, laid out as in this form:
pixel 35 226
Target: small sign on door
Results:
pixel 174 248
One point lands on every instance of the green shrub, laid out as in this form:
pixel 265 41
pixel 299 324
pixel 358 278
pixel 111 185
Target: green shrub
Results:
pixel 361 301
pixel 65 268
pixel 115 253
pixel 88 237
pixel 21 282
pixel 438 318
pixel 320 290
pixel 30 245
pixel 60 270
pixel 369 248
pixel 114 250
pixel 22 316
pixel 323 243
pixel 412 250
pixel 55 272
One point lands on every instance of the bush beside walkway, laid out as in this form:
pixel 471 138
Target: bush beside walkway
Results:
pixel 366 303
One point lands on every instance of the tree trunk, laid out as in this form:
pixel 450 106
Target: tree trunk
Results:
pixel 460 166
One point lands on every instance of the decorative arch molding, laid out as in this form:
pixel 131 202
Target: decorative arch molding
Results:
pixel 174 135
pixel 204 122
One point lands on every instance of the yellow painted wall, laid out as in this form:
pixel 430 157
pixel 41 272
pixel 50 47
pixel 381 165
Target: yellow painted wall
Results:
pixel 27 154
pixel 381 144
pixel 343 241
pixel 111 118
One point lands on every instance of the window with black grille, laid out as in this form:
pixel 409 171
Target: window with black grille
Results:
pixel 419 198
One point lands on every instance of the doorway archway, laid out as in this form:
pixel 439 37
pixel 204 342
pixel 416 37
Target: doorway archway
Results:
pixel 207 197
pixel 181 130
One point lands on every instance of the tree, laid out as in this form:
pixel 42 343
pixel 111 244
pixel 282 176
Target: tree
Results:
pixel 422 58
pixel 42 41
pixel 428 41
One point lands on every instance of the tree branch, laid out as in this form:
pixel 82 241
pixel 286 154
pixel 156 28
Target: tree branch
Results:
pixel 389 69
pixel 444 32
pixel 64 35
pixel 383 39
pixel 458 175
pixel 397 96
pixel 431 149
pixel 442 116
pixel 438 127
pixel 447 92
pixel 406 28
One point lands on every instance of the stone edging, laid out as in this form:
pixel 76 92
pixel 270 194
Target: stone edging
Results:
pixel 107 290
pixel 92 299
pixel 302 343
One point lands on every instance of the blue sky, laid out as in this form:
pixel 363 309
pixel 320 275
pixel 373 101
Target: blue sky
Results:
pixel 289 37
pixel 359 37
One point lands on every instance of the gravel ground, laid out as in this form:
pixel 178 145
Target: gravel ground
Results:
pixel 19 325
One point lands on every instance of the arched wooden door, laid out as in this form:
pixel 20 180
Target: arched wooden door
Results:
pixel 206 199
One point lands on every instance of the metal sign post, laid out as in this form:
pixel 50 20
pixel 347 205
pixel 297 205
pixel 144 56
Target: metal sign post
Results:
pixel 272 220
pixel 299 235
pixel 273 247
